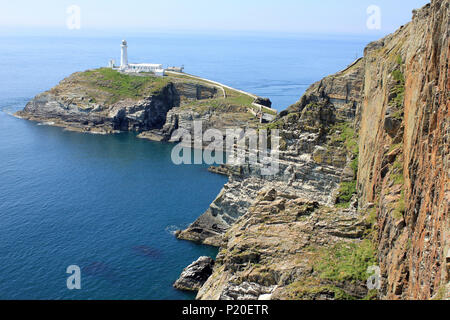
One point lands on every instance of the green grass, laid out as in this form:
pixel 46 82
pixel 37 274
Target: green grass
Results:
pixel 354 165
pixel 440 294
pixel 232 96
pixel 234 104
pixel 266 110
pixel 398 76
pixel 347 136
pixel 343 133
pixel 334 265
pixel 398 179
pixel 274 125
pixel 309 289
pixel 397 100
pixel 241 100
pixel 345 194
pixel 121 86
pixel 397 175
pixel 400 207
pixel 371 295
pixel 371 216
pixel 346 261
pixel 398 92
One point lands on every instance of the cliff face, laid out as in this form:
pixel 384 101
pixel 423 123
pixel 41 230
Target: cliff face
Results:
pixel 404 152
pixel 104 101
pixel 381 127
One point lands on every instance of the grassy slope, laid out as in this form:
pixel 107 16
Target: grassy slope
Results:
pixel 111 86
pixel 107 86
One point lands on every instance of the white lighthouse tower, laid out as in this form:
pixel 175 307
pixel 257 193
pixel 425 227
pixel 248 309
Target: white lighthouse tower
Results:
pixel 156 69
pixel 124 55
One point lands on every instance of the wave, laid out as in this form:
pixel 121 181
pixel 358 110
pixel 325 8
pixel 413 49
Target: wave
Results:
pixel 173 229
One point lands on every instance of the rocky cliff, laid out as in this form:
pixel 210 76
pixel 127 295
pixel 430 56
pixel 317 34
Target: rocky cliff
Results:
pixel 274 231
pixel 313 157
pixel 404 152
pixel 365 160
pixel 106 101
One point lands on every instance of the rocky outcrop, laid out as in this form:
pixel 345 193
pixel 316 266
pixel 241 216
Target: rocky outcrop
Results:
pixel 312 160
pixel 70 110
pixel 379 132
pixel 342 90
pixel 195 275
pixel 273 252
pixel 219 116
pixel 263 102
pixel 106 101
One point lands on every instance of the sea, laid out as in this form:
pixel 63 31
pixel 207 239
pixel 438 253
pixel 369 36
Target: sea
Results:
pixel 109 204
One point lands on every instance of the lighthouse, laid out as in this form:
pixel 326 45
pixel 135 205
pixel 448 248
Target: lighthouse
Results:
pixel 156 69
pixel 124 55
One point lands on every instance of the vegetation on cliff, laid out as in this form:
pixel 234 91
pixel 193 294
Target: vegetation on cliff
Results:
pixel 398 91
pixel 346 261
pixel 344 134
pixel 337 266
pixel 108 86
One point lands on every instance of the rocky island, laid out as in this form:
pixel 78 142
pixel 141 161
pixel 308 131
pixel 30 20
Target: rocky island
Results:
pixel 108 101
pixel 362 193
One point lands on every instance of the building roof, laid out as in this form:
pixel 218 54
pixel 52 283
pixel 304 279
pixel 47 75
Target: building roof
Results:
pixel 153 65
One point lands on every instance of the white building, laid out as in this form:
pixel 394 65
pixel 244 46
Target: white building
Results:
pixel 157 69
pixel 176 69
pixel 145 67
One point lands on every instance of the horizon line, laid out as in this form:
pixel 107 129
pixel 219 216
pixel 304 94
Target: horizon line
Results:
pixel 29 30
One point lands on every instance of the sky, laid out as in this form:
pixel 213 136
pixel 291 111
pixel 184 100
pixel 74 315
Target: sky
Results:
pixel 279 16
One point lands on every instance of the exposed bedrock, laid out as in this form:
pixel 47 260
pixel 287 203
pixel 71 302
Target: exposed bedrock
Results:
pixel 273 250
pixel 126 115
pixel 92 102
pixel 312 159
pixel 370 146
pixel 404 153
pixel 195 275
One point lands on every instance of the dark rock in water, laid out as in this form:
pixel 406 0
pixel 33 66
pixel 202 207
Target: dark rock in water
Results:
pixel 264 102
pixel 195 275
pixel 147 251
pixel 100 269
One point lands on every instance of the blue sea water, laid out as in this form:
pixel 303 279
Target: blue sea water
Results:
pixel 110 203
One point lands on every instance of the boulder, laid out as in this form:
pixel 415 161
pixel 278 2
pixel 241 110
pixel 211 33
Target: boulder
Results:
pixel 264 102
pixel 195 275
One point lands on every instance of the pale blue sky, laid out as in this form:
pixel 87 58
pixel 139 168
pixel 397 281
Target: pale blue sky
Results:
pixel 292 16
